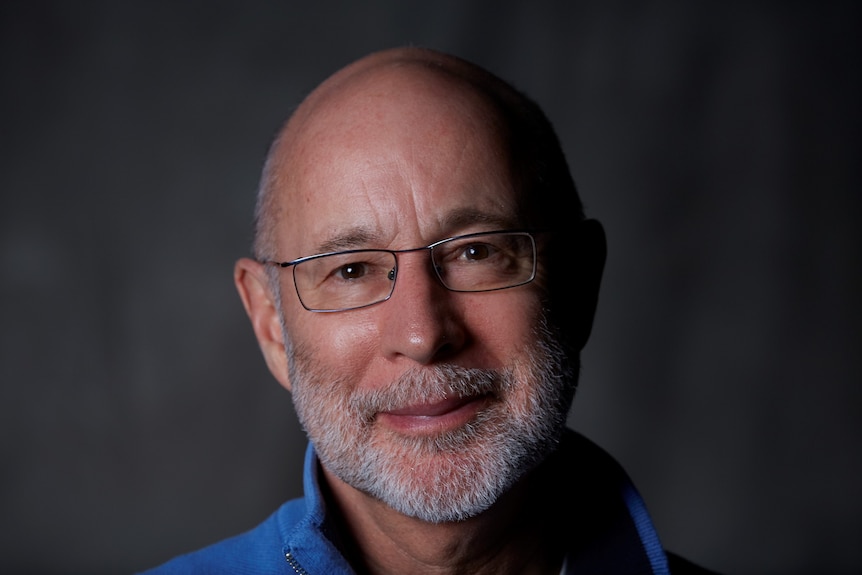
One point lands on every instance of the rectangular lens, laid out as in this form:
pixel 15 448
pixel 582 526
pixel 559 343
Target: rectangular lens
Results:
pixel 344 280
pixel 484 262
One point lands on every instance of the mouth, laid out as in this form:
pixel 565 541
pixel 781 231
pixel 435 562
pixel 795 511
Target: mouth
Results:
pixel 429 418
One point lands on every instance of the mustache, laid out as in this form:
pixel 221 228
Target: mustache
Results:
pixel 427 385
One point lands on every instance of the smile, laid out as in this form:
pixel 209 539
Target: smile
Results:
pixel 429 418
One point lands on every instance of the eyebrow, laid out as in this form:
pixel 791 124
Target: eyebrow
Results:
pixel 355 237
pixel 359 237
pixel 463 217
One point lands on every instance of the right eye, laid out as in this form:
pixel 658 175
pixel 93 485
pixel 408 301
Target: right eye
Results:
pixel 476 251
pixel 349 270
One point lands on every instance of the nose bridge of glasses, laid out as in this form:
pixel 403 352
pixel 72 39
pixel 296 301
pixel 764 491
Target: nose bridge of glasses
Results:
pixel 433 267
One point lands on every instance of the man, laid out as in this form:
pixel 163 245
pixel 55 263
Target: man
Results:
pixel 424 280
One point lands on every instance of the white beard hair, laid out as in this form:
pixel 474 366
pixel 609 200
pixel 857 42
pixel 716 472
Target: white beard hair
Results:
pixel 448 476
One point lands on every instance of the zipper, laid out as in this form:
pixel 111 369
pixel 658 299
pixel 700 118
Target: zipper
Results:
pixel 297 568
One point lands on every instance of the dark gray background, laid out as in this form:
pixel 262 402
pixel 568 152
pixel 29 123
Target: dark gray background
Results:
pixel 718 142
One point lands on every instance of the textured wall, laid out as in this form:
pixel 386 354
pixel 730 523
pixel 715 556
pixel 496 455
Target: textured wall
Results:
pixel 720 146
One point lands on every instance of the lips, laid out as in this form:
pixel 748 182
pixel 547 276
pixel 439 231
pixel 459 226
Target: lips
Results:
pixel 448 413
pixel 433 409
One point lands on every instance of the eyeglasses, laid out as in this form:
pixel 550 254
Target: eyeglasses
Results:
pixel 484 261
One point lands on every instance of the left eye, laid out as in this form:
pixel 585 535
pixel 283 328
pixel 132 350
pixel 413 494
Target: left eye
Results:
pixel 477 251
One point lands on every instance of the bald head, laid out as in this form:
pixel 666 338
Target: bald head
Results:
pixel 419 90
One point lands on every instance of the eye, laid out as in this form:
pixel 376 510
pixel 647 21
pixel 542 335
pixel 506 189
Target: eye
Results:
pixel 352 271
pixel 477 251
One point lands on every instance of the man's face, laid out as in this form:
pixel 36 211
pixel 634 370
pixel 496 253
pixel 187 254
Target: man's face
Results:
pixel 433 401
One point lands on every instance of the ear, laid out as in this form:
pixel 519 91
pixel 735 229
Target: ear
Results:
pixel 577 268
pixel 592 254
pixel 262 307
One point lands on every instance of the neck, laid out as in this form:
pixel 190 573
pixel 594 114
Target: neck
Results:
pixel 513 536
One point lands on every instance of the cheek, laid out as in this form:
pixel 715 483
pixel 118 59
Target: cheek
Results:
pixel 344 347
pixel 353 339
pixel 504 323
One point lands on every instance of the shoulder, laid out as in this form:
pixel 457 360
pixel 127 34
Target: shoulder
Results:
pixel 614 505
pixel 682 566
pixel 259 550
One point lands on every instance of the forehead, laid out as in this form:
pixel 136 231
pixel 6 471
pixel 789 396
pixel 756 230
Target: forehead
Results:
pixel 403 154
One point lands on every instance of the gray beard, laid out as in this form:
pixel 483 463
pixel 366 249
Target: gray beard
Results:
pixel 452 475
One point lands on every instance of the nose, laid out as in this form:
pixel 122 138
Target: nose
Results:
pixel 420 320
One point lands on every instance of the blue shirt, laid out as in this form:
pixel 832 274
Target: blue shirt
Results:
pixel 597 509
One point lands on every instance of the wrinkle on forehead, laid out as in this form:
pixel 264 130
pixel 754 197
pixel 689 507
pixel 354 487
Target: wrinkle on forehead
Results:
pixel 368 237
pixel 452 123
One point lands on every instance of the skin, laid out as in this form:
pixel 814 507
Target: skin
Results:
pixel 394 153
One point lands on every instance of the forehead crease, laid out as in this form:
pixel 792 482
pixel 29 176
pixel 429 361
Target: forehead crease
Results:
pixel 356 237
pixel 452 222
pixel 463 217
pixel 318 130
